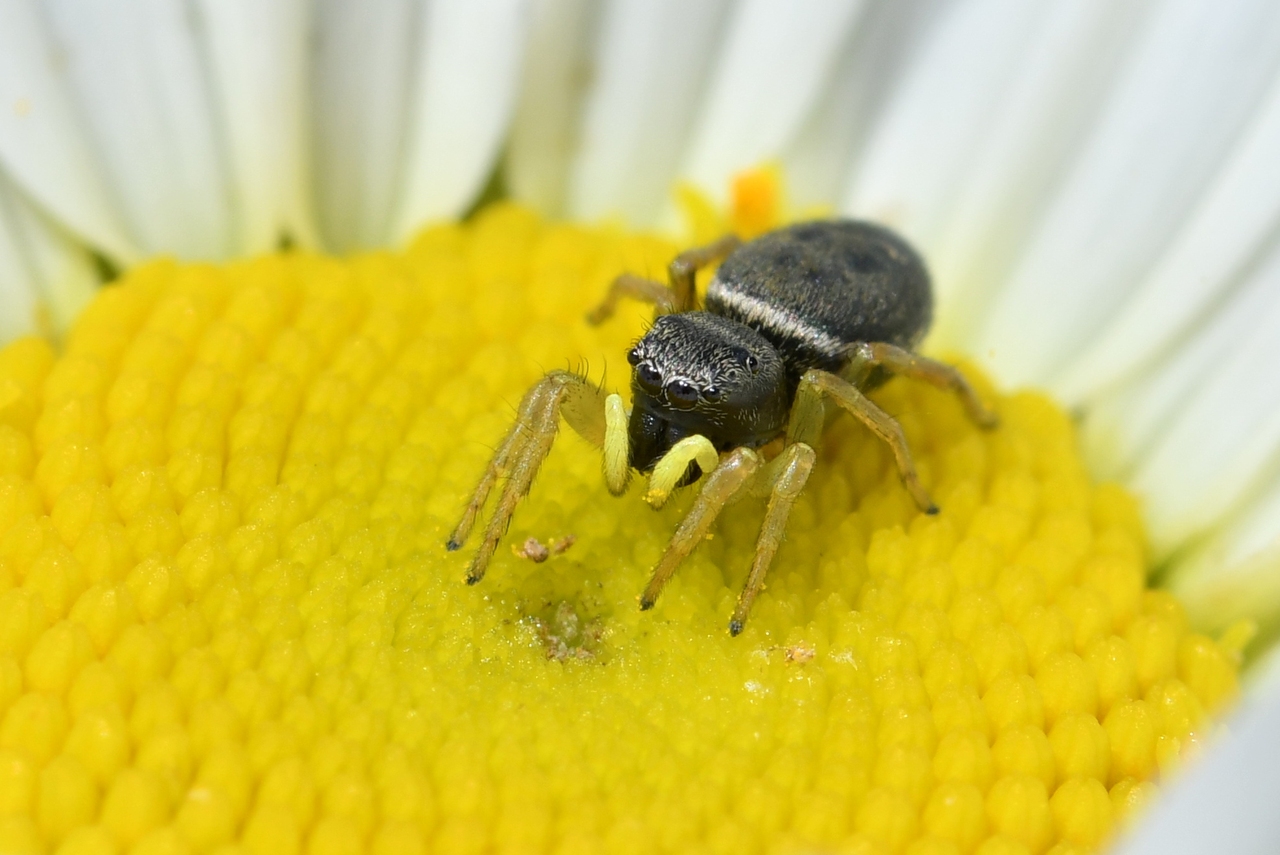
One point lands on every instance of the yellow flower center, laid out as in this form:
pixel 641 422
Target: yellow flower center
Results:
pixel 227 614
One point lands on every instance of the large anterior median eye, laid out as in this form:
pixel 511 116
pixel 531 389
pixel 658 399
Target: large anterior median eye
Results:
pixel 682 393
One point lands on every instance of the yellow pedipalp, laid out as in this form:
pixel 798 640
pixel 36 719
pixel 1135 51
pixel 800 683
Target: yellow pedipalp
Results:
pixel 617 446
pixel 671 468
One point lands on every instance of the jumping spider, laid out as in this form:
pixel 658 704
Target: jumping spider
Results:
pixel 807 314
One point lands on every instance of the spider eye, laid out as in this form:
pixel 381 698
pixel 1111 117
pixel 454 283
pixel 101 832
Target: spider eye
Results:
pixel 712 393
pixel 681 393
pixel 746 359
pixel 649 378
pixel 633 358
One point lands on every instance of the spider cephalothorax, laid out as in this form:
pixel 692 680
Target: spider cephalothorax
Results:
pixel 802 316
pixel 698 373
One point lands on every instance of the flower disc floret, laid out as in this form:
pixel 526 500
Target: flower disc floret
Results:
pixel 227 616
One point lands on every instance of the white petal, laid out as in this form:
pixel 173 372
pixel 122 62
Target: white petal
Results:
pixel 817 162
pixel 1226 801
pixel 1256 533
pixel 1065 73
pixel 465 95
pixel 363 67
pixel 652 61
pixel 555 79
pixel 928 136
pixel 1237 570
pixel 46 276
pixel 258 52
pixel 135 69
pixel 1223 443
pixel 1185 96
pixel 42 142
pixel 18 285
pixel 777 58
pixel 1223 434
pixel 1205 259
pixel 1126 422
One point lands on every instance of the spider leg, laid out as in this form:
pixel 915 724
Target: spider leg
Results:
pixel 518 458
pixel 902 361
pixel 636 287
pixel 847 396
pixel 512 444
pixel 785 476
pixel 683 269
pixel 679 296
pixel 729 478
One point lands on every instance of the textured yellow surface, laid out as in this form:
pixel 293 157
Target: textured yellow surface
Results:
pixel 227 618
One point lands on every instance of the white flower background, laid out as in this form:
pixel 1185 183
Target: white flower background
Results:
pixel 1096 184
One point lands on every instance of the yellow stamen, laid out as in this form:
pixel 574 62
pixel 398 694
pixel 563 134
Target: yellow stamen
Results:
pixel 757 201
pixel 227 615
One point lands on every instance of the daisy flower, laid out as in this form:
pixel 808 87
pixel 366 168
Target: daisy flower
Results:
pixel 342 238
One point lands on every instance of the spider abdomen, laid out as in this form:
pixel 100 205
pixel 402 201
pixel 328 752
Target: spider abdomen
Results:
pixel 814 288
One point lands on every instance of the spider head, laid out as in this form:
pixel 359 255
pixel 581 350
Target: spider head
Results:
pixel 698 373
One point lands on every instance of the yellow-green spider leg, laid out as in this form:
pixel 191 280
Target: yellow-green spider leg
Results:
pixel 825 385
pixel 637 288
pixel 583 405
pixel 729 478
pixel 866 355
pixel 683 269
pixel 784 478
pixel 680 295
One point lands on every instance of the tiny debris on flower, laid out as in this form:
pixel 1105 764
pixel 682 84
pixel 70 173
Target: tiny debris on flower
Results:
pixel 799 653
pixel 535 551
pixel 531 549
pixel 566 636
